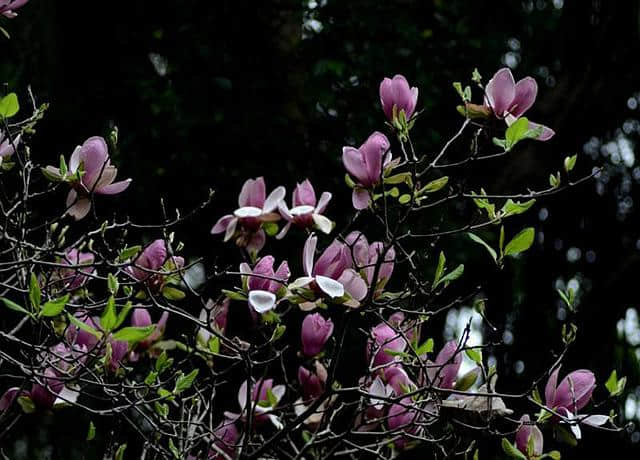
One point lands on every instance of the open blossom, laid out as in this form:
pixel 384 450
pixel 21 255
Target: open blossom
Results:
pixel 365 257
pixel 395 92
pixel 263 283
pixel 509 100
pixel 8 7
pixel 216 315
pixel 526 431
pixel 150 260
pixel 306 211
pixel 314 333
pixel 260 402
pixel 573 393
pixel 8 146
pixel 75 277
pixel 443 372
pixel 254 208
pixel 366 165
pixel 384 339
pixel 90 171
pixel 226 436
pixel 332 273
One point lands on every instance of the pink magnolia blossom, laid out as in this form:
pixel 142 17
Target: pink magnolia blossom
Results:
pixel 306 211
pixel 314 333
pixel 509 100
pixel 263 283
pixel 260 403
pixel 152 259
pixel 398 379
pixel 365 258
pixel 526 431
pixel 254 208
pixel 79 271
pixel 8 146
pixel 366 165
pixel 90 172
pixel 82 338
pixel 141 318
pixel 312 381
pixel 443 372
pixel 216 315
pixel 332 273
pixel 43 393
pixel 384 339
pixel 573 393
pixel 226 436
pixel 403 417
pixel 395 92
pixel 8 7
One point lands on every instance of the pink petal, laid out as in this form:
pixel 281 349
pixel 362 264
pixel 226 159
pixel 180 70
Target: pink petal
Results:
pixel 525 96
pixel 77 208
pixel 360 198
pixel 353 284
pixel 222 224
pixel 323 202
pixel 114 188
pixel 253 193
pixel 500 92
pixel 304 194
pixel 353 161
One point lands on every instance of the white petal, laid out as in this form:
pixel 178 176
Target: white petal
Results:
pixel 308 254
pixel 273 199
pixel 262 301
pixel 276 421
pixel 301 210
pixel 247 211
pixel 596 420
pixel 330 286
pixel 282 233
pixel 324 225
pixel 278 391
pixel 323 202
pixel 301 282
pixel 231 229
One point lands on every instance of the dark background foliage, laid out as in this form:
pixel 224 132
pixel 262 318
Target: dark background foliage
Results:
pixel 208 93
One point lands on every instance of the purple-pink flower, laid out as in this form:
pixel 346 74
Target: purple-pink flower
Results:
pixel 216 315
pixel 79 271
pixel 365 257
pixel 306 211
pixel 90 172
pixel 573 393
pixel 141 318
pixel 263 283
pixel 366 165
pixel 384 342
pixel 8 146
pixel 313 381
pixel 315 332
pixel 151 260
pixel 8 7
pixel 395 92
pixel 226 436
pixel 509 100
pixel 262 405
pixel 332 273
pixel 443 372
pixel 403 417
pixel 245 224
pixel 526 431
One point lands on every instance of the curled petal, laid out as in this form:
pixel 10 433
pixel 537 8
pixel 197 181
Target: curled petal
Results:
pixel 360 198
pixel 500 92
pixel 262 301
pixel 330 286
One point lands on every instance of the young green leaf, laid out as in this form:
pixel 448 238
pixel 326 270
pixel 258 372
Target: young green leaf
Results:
pixel 452 275
pixel 184 382
pixel 35 296
pixel 91 434
pixel 570 162
pixel 54 307
pixel 14 306
pixel 434 185
pixel 122 315
pixel 109 318
pixel 520 243
pixel 516 132
pixel 475 355
pixel 120 452
pixel 84 326
pixel 479 240
pixel 439 269
pixel 511 450
pixel 112 284
pixel 426 347
pixel 134 334
pixel 9 105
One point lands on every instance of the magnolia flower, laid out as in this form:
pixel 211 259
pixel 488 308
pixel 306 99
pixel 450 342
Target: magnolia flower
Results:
pixel 403 416
pixel 443 372
pixel 263 283
pixel 365 258
pixel 398 379
pixel 215 314
pixel 509 100
pixel 141 318
pixel 264 399
pixel 331 274
pixel 43 394
pixel 315 332
pixel 8 146
pixel 378 393
pixel 8 7
pixel 395 92
pixel 90 171
pixel 75 277
pixel 384 339
pixel 312 381
pixel 82 338
pixel 529 431
pixel 150 260
pixel 366 165
pixel 65 359
pixel 306 211
pixel 226 436
pixel 245 223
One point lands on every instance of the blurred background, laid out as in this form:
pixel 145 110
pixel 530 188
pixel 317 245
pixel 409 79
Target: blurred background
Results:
pixel 208 93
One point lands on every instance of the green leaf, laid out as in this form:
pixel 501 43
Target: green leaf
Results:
pixel 171 293
pixel 347 180
pixel 570 162
pixel 511 450
pixel 434 185
pixel 404 199
pixel 476 77
pixel 565 435
pixel 122 315
pixel 84 326
pixel 614 385
pixel 554 455
pixel 129 252
pixel 536 395
pixel 233 295
pixel 512 208
pixel 14 306
pixel 521 242
pixel 475 355
pixel 479 240
pixel 162 409
pixel 184 382
pixel 91 434
pixel 273 401
pixel 214 345
pixel 467 380
pixel 9 105
pixel 120 452
pixel 174 450
pixel 400 178
pixel 502 143
pixel 452 275
pixel 278 332
pixel 63 166
pixel 35 296
pixel 54 307
pixel 426 347
pixel 151 377
pixel 163 362
pixel 108 318
pixel 516 132
pixel 112 284
pixel 439 269
pixel 134 334
pixel 26 404
pixel 554 181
